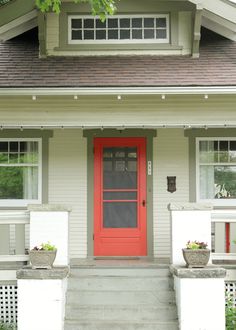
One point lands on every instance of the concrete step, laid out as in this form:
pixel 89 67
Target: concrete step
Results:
pixel 124 313
pixel 132 272
pixel 118 283
pixel 158 299
pixel 75 325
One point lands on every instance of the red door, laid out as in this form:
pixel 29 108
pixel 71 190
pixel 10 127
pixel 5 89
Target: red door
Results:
pixel 120 197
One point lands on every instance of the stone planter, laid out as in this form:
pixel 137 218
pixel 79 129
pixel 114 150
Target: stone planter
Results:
pixel 196 258
pixel 41 259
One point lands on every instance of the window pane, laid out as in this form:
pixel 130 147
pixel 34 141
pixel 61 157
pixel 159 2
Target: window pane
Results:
pixel 13 146
pixel 76 35
pixel 100 24
pixel 136 34
pixel 124 34
pixel 113 34
pixel 207 151
pixel 120 215
pixel 223 146
pixel 89 23
pixel 225 181
pixel 161 34
pixel 124 22
pixel 207 182
pixel 13 158
pixel 3 158
pixel 88 35
pixel 232 151
pixel 3 146
pixel 136 22
pixel 112 23
pixel 149 22
pixel 76 23
pixel 101 34
pixel 148 34
pixel 18 182
pixel 161 22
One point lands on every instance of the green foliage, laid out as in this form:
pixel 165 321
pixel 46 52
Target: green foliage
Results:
pixel 45 247
pixel 230 313
pixel 7 326
pixel 196 245
pixel 98 7
pixel 2 2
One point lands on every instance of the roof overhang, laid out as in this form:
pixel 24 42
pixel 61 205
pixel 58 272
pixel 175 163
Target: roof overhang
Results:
pixel 106 91
pixel 19 25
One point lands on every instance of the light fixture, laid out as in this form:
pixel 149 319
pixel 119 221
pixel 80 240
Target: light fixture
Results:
pixel 206 96
pixel 163 97
pixel 34 98
pixel 75 97
pixel 118 97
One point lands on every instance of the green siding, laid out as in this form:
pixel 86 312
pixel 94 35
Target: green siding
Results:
pixel 15 9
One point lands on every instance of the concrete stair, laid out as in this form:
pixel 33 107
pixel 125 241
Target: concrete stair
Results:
pixel 120 299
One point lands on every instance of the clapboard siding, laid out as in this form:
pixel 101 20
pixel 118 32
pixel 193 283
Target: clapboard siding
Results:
pixel 140 110
pixel 170 159
pixel 52 38
pixel 68 183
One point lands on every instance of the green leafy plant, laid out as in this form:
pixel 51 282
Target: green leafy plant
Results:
pixel 196 245
pixel 230 312
pixel 44 247
pixel 7 326
pixel 98 7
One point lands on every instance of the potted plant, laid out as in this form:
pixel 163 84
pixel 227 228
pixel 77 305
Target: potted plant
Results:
pixel 43 256
pixel 196 254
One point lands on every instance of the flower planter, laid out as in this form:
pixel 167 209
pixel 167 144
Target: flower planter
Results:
pixel 42 259
pixel 196 258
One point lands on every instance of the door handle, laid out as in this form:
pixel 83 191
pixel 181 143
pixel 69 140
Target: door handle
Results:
pixel 144 203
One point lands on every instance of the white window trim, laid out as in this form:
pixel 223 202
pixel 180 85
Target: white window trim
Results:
pixel 25 202
pixel 123 41
pixel 217 201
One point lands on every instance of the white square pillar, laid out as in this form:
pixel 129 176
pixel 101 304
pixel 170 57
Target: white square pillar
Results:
pixel 200 297
pixel 189 222
pixel 51 223
pixel 41 298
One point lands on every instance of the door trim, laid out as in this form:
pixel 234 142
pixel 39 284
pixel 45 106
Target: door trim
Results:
pixel 90 134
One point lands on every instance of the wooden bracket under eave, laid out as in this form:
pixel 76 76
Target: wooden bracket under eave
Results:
pixel 197 31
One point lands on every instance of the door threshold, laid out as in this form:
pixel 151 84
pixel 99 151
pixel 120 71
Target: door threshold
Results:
pixel 117 258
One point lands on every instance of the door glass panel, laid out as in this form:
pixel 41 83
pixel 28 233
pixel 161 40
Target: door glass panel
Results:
pixel 120 215
pixel 120 195
pixel 120 170
pixel 120 173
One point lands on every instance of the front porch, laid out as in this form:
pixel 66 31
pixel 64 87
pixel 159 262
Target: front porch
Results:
pixel 137 265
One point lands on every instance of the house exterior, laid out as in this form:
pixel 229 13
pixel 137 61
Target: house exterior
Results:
pixel 118 119
pixel 129 100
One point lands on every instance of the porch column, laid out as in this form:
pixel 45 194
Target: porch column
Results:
pixel 200 297
pixel 51 223
pixel 189 222
pixel 41 298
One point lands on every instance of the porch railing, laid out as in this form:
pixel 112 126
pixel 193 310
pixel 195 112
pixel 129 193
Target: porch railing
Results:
pixel 223 234
pixel 14 235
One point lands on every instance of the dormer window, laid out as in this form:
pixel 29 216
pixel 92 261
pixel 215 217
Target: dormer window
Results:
pixel 119 29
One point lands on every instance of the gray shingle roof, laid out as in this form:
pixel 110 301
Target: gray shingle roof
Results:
pixel 20 66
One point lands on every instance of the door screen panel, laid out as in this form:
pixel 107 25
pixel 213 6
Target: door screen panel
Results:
pixel 120 215
pixel 120 187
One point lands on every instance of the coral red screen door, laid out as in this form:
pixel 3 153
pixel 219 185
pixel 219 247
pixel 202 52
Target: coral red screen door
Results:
pixel 120 197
